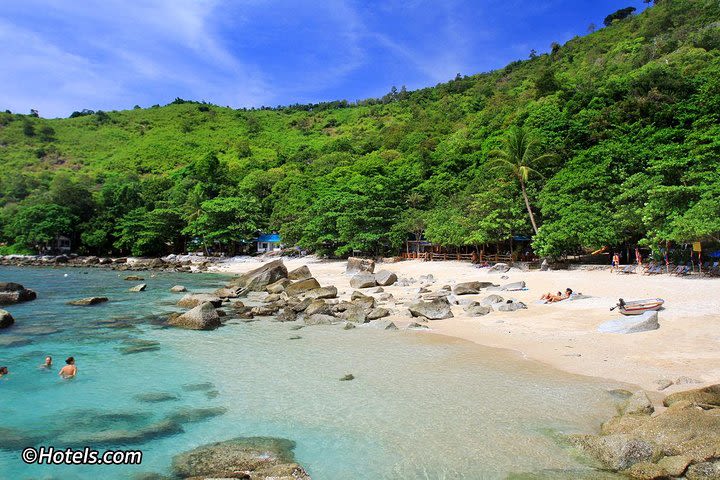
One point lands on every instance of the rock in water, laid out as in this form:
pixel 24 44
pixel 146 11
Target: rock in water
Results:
pixel 347 377
pixel 139 288
pixel 378 313
pixel 436 309
pixel 385 278
pixel 254 458
pixel 381 324
pixel 302 286
pixel 11 292
pixel 89 301
pixel 178 289
pixel 6 319
pixel 256 280
pixel 202 317
pixel 134 278
pixel 634 324
pixel 300 273
pixel 192 300
pixel 363 280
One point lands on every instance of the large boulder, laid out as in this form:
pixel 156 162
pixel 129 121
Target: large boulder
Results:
pixel 138 288
pixel 354 313
pixel 300 273
pixel 88 301
pixel 385 278
pixel 202 317
pixel 363 280
pixel 323 292
pixel 492 299
pixel 11 292
pixel 227 292
pixel 302 286
pixel 470 288
pixel 475 309
pixel 701 396
pixel 279 286
pixel 437 309
pixel 366 301
pixel 513 287
pixel 6 319
pixel 510 306
pixel 359 265
pixel 178 289
pixel 499 268
pixel 319 319
pixel 192 300
pixel 253 458
pixel 377 313
pixel 632 324
pixel 318 306
pixel 257 279
pixel 618 451
pixel 381 324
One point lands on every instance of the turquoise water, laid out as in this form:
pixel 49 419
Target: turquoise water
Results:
pixel 421 406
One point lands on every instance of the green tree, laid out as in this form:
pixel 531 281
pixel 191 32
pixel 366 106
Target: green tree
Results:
pixel 37 226
pixel 226 221
pixel 518 157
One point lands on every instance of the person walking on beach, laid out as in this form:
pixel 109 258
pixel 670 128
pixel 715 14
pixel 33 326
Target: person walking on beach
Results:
pixel 69 370
pixel 615 262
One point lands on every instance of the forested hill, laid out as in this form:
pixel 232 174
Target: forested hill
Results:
pixel 622 129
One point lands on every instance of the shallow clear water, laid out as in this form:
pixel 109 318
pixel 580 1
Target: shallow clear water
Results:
pixel 421 406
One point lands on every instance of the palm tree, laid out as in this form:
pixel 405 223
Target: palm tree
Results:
pixel 517 155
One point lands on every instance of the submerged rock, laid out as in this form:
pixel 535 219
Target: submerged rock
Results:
pixel 155 397
pixel 191 415
pixel 6 319
pixel 139 345
pixel 88 301
pixel 198 387
pixel 202 317
pixel 248 457
pixel 178 289
pixel 347 377
pixel 13 340
pixel 134 278
pixel 144 434
pixel 11 292
pixel 381 324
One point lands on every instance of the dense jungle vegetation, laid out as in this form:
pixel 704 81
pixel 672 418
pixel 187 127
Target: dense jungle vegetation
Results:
pixel 612 138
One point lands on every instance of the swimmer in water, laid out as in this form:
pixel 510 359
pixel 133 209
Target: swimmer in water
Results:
pixel 69 370
pixel 48 362
pixel 3 371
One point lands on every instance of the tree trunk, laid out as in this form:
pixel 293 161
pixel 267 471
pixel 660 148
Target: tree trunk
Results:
pixel 527 204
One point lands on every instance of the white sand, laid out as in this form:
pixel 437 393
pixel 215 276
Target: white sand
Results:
pixel 564 334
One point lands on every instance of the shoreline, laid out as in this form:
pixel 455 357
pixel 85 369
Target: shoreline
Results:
pixel 563 336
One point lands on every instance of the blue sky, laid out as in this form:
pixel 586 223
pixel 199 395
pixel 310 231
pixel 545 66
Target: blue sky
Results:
pixel 65 55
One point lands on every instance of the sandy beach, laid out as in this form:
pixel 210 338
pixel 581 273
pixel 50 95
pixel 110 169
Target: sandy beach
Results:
pixel 685 350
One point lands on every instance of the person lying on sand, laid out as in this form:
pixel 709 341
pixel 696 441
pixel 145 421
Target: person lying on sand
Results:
pixel 551 298
pixel 69 370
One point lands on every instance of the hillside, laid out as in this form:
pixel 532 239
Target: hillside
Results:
pixel 624 122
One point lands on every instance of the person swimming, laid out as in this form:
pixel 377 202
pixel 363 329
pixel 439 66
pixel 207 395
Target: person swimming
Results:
pixel 48 362
pixel 69 370
pixel 3 371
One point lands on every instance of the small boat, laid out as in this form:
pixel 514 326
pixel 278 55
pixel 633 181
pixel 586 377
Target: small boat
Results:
pixel 637 307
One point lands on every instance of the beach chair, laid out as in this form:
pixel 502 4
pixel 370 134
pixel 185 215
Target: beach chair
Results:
pixel 681 270
pixel 628 269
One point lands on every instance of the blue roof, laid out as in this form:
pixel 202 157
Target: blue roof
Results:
pixel 269 237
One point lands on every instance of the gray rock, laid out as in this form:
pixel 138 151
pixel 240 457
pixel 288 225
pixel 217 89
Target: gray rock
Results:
pixel 302 286
pixel 510 306
pixel 513 287
pixel 265 310
pixel 279 286
pixel 632 324
pixel 301 306
pixel 354 313
pixel 437 309
pixel 193 415
pixel 638 403
pixel 415 325
pixel 202 317
pixel 11 292
pixel 377 313
pixel 499 268
pixel 318 306
pixel 701 396
pixel 192 300
pixel 365 302
pixel 286 315
pixel 544 266
pixel 381 324
pixel 227 292
pixel 386 297
pixel 138 288
pixel 6 319
pixel 178 289
pixel 617 451
pixel 470 288
pixel 89 301
pixel 273 297
pixel 363 280
pixel 358 265
pixel 477 310
pixel 300 273
pixel 319 319
pixel 347 377
pixel 253 458
pixel 348 326
pixel 492 299
pixel 385 278
pixel 258 279
pixel 378 290
pixel 323 292
pixel 704 471
pixel 155 397
pixel 134 278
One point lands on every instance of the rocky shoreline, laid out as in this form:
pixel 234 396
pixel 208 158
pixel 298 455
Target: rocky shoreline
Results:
pixel 170 263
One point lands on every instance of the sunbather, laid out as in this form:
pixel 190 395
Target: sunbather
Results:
pixel 551 298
